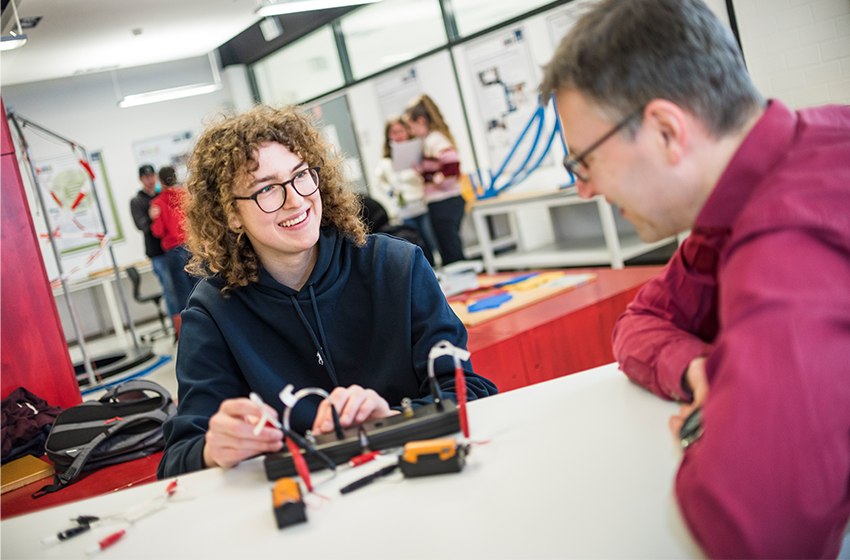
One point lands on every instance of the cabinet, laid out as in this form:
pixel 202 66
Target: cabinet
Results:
pixel 555 229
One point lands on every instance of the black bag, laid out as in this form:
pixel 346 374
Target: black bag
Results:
pixel 123 425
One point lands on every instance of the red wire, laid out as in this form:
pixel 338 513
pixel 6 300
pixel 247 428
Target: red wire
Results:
pixel 460 390
pixel 300 464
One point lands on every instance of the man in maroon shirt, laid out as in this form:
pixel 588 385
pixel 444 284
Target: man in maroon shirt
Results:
pixel 749 323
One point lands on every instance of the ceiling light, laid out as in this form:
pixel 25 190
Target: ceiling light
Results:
pixel 9 43
pixel 295 6
pixel 167 94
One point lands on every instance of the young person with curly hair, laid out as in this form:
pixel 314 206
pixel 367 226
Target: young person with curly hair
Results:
pixel 294 292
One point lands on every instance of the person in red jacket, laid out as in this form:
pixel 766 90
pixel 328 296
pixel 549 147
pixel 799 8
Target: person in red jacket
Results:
pixel 169 217
pixel 749 323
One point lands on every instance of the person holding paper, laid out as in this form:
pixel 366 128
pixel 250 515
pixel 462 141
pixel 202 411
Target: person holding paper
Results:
pixel 441 170
pixel 749 323
pixel 405 186
pixel 294 291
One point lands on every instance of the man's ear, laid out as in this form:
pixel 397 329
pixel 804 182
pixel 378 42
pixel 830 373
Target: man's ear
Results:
pixel 670 124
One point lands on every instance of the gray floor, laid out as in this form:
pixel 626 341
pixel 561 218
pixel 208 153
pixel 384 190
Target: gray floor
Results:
pixel 164 374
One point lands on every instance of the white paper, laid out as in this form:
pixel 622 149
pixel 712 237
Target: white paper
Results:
pixel 406 154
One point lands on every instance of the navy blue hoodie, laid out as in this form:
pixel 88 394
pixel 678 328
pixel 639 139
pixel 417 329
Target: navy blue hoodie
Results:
pixel 367 316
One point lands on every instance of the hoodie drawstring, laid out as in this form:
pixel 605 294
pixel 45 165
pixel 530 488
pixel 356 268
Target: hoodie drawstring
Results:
pixel 321 355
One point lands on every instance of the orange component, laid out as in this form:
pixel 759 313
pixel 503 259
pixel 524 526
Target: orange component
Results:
pixel 445 448
pixel 285 490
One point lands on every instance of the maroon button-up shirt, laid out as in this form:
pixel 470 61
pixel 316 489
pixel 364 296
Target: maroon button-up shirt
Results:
pixel 762 288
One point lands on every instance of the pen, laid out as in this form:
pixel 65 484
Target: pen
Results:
pixel 366 480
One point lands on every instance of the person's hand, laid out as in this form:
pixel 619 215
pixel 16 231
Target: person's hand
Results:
pixel 354 404
pixel 230 437
pixel 697 382
pixel 154 212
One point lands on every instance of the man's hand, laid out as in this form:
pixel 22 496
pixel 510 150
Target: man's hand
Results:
pixel 230 437
pixel 354 404
pixel 154 211
pixel 697 382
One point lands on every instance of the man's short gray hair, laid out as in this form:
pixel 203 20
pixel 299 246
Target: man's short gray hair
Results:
pixel 621 54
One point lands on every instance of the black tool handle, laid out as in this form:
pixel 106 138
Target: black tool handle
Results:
pixel 369 479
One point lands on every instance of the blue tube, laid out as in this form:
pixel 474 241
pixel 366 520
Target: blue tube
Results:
pixel 513 149
pixel 540 117
pixel 540 159
pixel 523 171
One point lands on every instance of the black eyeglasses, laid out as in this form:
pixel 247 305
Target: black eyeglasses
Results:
pixel 271 198
pixel 572 163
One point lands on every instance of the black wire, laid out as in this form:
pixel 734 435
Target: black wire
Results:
pixel 302 442
pixel 337 423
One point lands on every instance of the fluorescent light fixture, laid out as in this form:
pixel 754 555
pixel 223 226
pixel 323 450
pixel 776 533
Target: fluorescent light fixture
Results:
pixel 9 43
pixel 167 94
pixel 16 40
pixel 295 6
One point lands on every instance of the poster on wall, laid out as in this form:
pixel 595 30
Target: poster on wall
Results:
pixel 562 21
pixel 71 207
pixel 333 118
pixel 396 90
pixel 173 150
pixel 506 90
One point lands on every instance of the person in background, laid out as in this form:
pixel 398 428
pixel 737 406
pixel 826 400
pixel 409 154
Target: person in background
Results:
pixel 168 217
pixel 294 292
pixel 140 209
pixel 749 323
pixel 405 187
pixel 441 170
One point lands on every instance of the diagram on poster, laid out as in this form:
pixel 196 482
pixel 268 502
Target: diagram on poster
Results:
pixel 173 150
pixel 396 90
pixel 505 87
pixel 71 208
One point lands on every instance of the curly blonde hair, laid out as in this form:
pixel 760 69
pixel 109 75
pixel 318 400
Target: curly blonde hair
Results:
pixel 225 157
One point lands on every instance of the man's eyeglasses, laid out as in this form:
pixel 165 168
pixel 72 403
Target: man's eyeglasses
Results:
pixel 572 164
pixel 271 198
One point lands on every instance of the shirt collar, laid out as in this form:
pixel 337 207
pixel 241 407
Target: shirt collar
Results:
pixel 762 148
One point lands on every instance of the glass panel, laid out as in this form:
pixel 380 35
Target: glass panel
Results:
pixel 388 33
pixel 475 15
pixel 305 69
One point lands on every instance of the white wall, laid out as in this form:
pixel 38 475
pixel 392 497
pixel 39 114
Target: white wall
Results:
pixel 797 50
pixel 85 110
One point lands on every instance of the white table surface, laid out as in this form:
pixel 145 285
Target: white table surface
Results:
pixel 582 466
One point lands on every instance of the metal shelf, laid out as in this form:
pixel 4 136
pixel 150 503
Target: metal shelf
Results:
pixel 611 248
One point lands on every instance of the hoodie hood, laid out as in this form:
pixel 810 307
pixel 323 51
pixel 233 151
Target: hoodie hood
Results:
pixel 330 265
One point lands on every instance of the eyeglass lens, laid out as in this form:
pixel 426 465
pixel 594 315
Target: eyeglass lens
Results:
pixel 273 197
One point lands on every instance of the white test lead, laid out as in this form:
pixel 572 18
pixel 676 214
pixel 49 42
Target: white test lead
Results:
pixel 264 417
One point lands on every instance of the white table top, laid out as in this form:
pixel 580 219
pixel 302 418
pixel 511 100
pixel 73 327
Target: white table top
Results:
pixel 581 466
